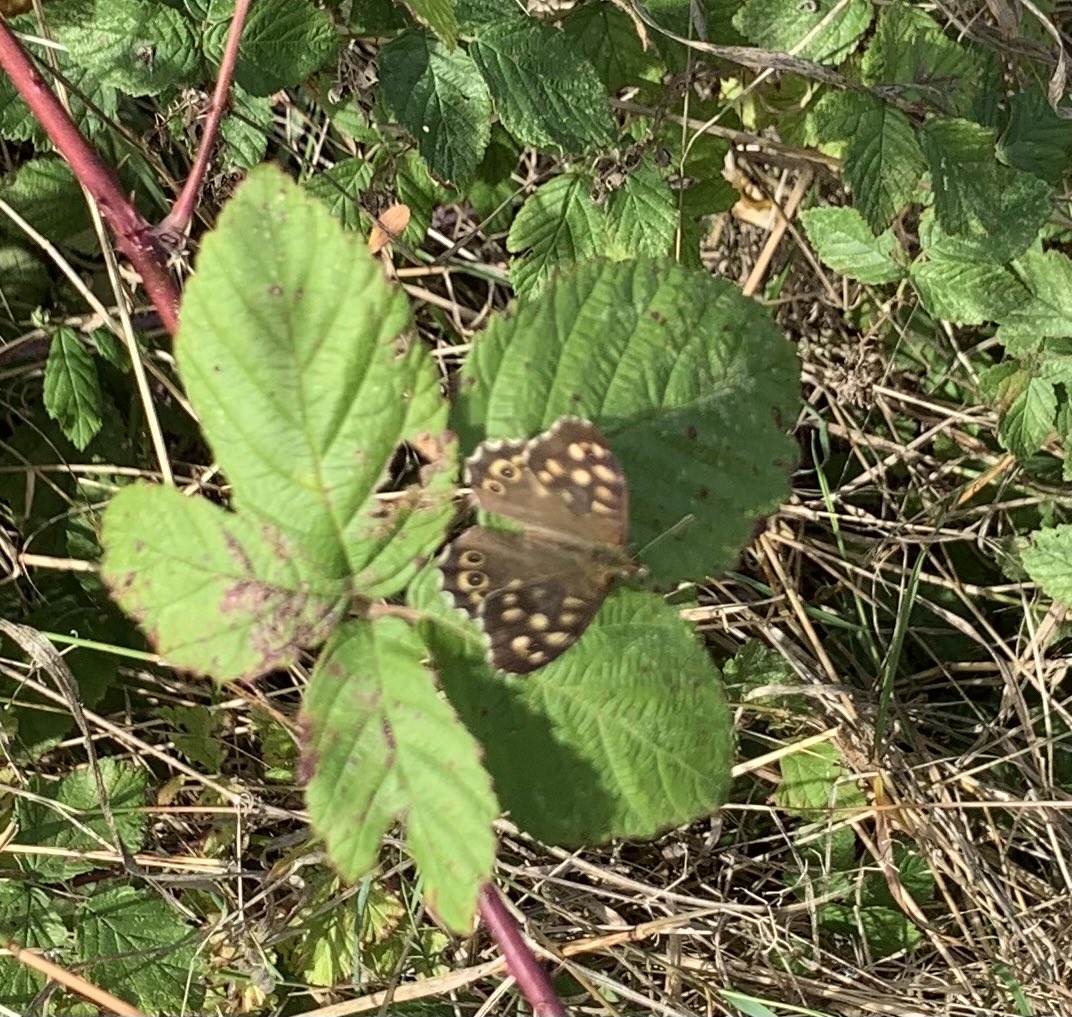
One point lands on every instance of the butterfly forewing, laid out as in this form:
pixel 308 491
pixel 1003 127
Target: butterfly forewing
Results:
pixel 536 591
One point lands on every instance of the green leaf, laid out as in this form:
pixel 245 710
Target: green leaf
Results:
pixel 72 389
pixel 783 24
pixel 816 785
pixel 441 99
pixel 1047 557
pixel 546 94
pixel 604 36
pixel 244 130
pixel 558 225
pixel 47 195
pixel 420 193
pixel 93 105
pixel 136 46
pixel 883 162
pixel 963 168
pixel 385 746
pixel 292 351
pixel 1035 140
pixel 195 733
pixel 910 49
pixel 578 750
pixel 1048 313
pixel 885 930
pixel 24 281
pixel 439 16
pixel 28 919
pixel 846 244
pixel 67 814
pixel 283 42
pixel 341 187
pixel 642 214
pixel 691 383
pixel 1029 418
pixel 137 947
pixel 967 292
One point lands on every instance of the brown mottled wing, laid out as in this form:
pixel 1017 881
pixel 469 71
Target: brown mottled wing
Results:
pixel 533 598
pixel 565 481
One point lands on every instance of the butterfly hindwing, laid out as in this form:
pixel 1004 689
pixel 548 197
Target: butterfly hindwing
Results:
pixel 535 591
pixel 528 596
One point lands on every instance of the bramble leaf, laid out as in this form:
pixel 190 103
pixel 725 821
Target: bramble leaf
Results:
pixel 440 97
pixel 546 94
pixel 690 382
pixel 558 225
pixel 383 745
pixel 136 946
pixel 292 350
pixel 575 749
pixel 1035 140
pixel 72 389
pixel 642 215
pixel 845 242
pixel 783 24
pixel 1047 557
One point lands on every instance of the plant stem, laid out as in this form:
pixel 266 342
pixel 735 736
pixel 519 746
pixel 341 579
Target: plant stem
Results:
pixel 530 976
pixel 133 235
pixel 177 221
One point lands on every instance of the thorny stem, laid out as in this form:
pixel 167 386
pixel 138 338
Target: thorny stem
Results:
pixel 133 235
pixel 177 221
pixel 530 976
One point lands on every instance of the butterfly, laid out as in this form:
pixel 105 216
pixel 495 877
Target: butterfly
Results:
pixel 535 589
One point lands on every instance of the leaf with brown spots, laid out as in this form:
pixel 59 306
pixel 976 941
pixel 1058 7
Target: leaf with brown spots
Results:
pixel 383 746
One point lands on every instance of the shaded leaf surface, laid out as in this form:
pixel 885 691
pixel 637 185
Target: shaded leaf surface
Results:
pixel 691 383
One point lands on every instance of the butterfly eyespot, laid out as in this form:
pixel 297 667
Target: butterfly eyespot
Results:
pixel 472 558
pixel 504 470
pixel 473 580
pixel 493 486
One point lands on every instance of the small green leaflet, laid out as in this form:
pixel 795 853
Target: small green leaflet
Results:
pixel 75 797
pixel 1047 557
pixel 846 244
pixel 383 745
pixel 440 97
pixel 883 161
pixel 642 215
pixel 341 187
pixel 1035 140
pixel 72 389
pixel 546 94
pixel 28 918
pixel 1048 278
pixel 559 224
pixel 439 16
pixel 283 42
pixel 139 948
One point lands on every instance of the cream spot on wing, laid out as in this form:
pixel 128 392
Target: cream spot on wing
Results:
pixel 556 639
pixel 582 478
pixel 476 599
pixel 604 473
pixel 537 657
pixel 604 493
pixel 576 452
pixel 539 622
pixel 567 497
pixel 568 618
pixel 520 645
pixel 573 602
pixel 509 599
pixel 602 510
pixel 600 452
pixel 555 468
pixel 545 477
pixel 512 614
pixel 513 584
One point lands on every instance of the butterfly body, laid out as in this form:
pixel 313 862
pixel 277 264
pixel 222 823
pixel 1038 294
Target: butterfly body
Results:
pixel 535 588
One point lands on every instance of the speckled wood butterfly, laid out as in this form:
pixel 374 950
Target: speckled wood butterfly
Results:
pixel 535 590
